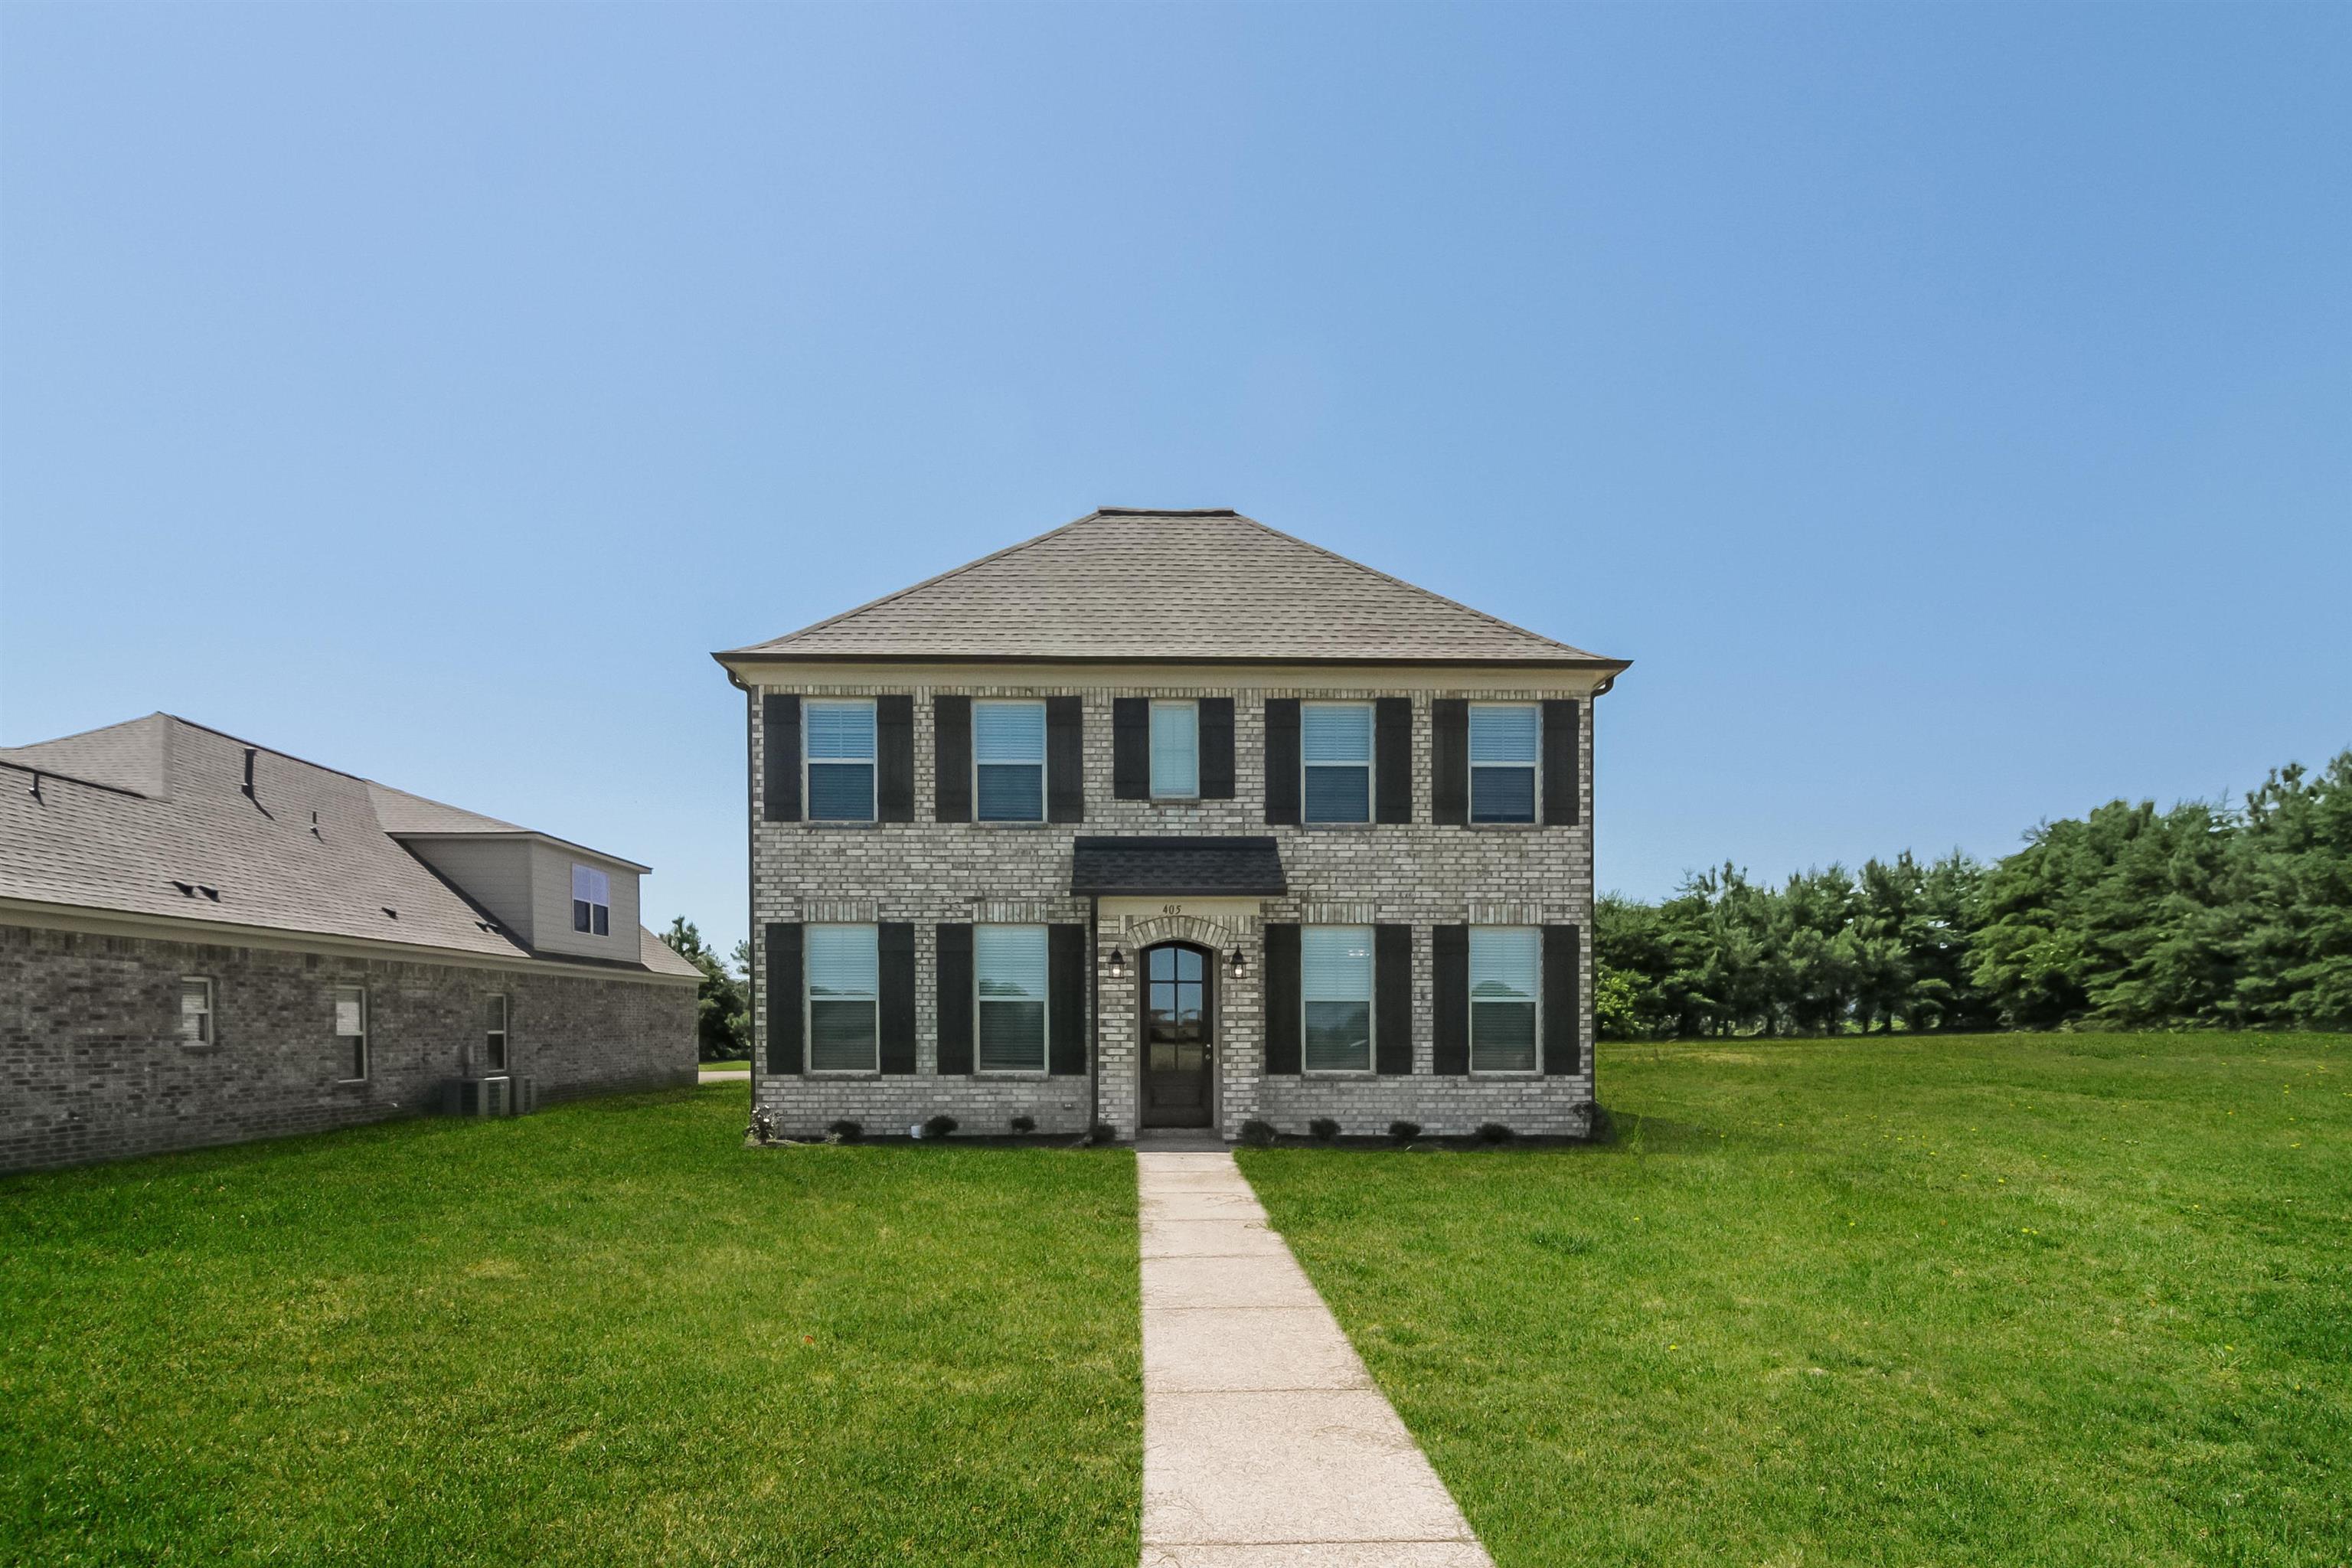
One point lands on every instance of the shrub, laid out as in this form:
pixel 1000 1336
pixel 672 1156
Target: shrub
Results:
pixel 938 1126
pixel 1257 1134
pixel 848 1131
pixel 1493 1133
pixel 1102 1132
pixel 1025 1124
pixel 1404 1131
pixel 1323 1127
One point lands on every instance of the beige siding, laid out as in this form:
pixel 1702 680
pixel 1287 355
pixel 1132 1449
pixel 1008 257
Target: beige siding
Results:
pixel 494 872
pixel 551 905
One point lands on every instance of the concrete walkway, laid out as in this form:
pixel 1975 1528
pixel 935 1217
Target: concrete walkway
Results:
pixel 739 1075
pixel 1266 1444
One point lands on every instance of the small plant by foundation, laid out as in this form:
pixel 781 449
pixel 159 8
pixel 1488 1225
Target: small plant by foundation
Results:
pixel 846 1131
pixel 1102 1132
pixel 1257 1134
pixel 1404 1131
pixel 938 1126
pixel 1025 1124
pixel 1494 1132
pixel 1323 1127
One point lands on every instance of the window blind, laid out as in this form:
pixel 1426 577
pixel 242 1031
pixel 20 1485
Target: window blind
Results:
pixel 843 961
pixel 1009 966
pixel 1505 969
pixel 1175 750
pixel 1334 971
pixel 1008 745
pixel 844 969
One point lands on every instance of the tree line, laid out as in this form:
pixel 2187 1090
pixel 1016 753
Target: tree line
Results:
pixel 2128 918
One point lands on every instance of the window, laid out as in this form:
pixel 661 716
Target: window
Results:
pixel 494 1032
pixel 1504 962
pixel 197 1011
pixel 1504 737
pixel 591 900
pixel 1335 980
pixel 840 759
pixel 844 976
pixel 1175 751
pixel 1009 974
pixel 352 1029
pixel 1008 759
pixel 1335 744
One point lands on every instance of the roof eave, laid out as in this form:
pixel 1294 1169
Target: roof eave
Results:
pixel 407 835
pixel 733 657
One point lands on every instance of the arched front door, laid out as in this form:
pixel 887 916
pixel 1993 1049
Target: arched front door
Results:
pixel 1178 1034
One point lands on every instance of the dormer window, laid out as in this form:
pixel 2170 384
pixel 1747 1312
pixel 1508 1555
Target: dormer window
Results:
pixel 591 900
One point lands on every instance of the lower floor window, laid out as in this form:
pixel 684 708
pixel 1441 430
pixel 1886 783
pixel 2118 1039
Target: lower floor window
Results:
pixel 844 971
pixel 197 1011
pixel 494 1031
pixel 352 1029
pixel 1009 977
pixel 1334 975
pixel 1505 964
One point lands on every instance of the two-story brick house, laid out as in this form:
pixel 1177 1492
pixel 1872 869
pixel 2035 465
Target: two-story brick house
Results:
pixel 1166 819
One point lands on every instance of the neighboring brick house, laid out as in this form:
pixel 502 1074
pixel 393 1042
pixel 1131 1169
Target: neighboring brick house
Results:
pixel 203 942
pixel 1168 818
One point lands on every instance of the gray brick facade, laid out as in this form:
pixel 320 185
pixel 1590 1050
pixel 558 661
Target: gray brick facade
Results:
pixel 92 1065
pixel 1419 874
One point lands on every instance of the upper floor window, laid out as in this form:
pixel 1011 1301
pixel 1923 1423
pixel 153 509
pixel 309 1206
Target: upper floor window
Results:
pixel 1008 760
pixel 1504 739
pixel 1505 962
pixel 591 900
pixel 844 976
pixel 1008 972
pixel 840 747
pixel 1335 984
pixel 197 1011
pixel 1335 748
pixel 352 1029
pixel 494 1032
pixel 1175 751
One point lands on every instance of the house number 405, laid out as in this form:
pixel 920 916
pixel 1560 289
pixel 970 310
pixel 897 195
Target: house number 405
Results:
pixel 1171 909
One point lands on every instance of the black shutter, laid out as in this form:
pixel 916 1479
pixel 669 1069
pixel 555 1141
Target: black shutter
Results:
pixel 1066 760
pixel 1282 762
pixel 1216 748
pixel 779 757
pixel 951 758
pixel 955 999
pixel 894 759
pixel 1563 788
pixel 1065 989
pixel 1130 748
pixel 1563 967
pixel 1450 759
pixel 784 999
pixel 896 942
pixel 1392 759
pixel 1393 998
pixel 1282 994
pixel 1450 946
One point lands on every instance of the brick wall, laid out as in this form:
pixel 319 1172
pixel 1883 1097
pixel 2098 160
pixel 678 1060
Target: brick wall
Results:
pixel 92 1068
pixel 1419 874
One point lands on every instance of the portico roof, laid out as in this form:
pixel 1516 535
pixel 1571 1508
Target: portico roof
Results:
pixel 1177 867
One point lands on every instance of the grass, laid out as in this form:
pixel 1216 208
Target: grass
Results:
pixel 606 1334
pixel 741 1064
pixel 2074 1299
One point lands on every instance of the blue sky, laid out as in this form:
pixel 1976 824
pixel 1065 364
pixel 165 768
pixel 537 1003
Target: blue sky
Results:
pixel 1949 409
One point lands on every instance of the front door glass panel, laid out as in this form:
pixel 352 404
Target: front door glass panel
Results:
pixel 1176 1038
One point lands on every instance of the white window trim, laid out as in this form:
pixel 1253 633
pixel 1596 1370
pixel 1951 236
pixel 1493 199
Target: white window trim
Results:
pixel 505 1033
pixel 210 1014
pixel 1536 1070
pixel 1046 1008
pixel 1535 796
pixel 592 905
pixel 872 770
pixel 1192 706
pixel 1371 1066
pixel 365 1036
pixel 1046 749
pixel 1370 765
pixel 808 1009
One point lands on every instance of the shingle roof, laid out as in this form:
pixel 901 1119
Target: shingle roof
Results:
pixel 1177 867
pixel 1168 585
pixel 128 813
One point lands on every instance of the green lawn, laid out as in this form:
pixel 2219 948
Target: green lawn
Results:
pixel 2074 1299
pixel 606 1334
pixel 741 1064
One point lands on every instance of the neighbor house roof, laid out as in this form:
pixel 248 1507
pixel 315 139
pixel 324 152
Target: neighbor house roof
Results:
pixel 1177 867
pixel 1131 584
pixel 150 818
